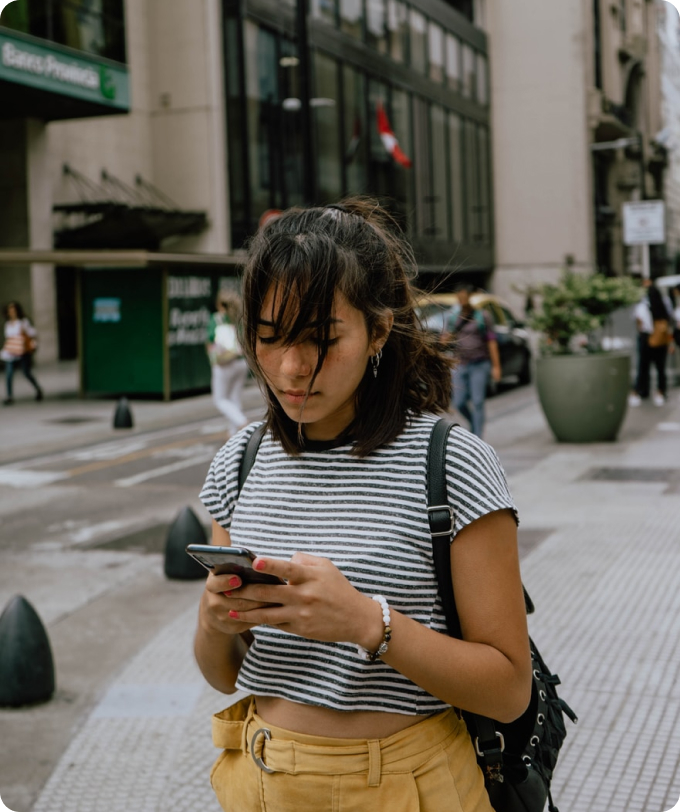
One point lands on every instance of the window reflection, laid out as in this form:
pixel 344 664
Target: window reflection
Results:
pixel 469 80
pixel 93 26
pixel 418 41
pixel 327 130
pixel 402 178
pixel 440 179
pixel 376 33
pixel 397 29
pixel 436 43
pixel 453 63
pixel 482 80
pixel 456 177
pixel 355 132
pixel 351 16
pixel 323 10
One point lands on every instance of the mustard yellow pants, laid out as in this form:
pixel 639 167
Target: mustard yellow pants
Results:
pixel 429 767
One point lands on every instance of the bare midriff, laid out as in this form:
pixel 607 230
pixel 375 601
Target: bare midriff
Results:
pixel 314 721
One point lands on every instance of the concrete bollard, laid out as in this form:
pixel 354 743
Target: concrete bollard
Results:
pixel 122 418
pixel 186 529
pixel 26 664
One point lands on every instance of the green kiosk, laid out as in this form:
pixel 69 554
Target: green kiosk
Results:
pixel 143 328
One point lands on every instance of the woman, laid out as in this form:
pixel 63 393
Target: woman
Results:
pixel 651 309
pixel 471 333
pixel 18 349
pixel 229 368
pixel 347 664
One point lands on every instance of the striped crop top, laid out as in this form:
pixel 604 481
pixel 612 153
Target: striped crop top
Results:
pixel 368 516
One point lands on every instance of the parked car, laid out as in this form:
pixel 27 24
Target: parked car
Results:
pixel 513 340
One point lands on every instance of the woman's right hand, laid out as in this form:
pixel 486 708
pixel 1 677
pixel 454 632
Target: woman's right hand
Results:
pixel 221 596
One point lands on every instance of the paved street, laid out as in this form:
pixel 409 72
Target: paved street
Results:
pixel 85 509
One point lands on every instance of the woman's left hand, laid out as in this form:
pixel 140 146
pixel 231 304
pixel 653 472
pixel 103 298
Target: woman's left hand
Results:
pixel 317 602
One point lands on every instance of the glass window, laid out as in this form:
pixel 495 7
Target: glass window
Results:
pixel 484 184
pixel 381 162
pixel 474 231
pixel 402 177
pixel 440 175
pixel 263 109
pixel 290 142
pixel 94 26
pixel 397 30
pixel 376 31
pixel 325 115
pixel 435 36
pixel 482 80
pixel 421 166
pixel 456 177
pixel 453 62
pixel 418 41
pixel 351 17
pixel 469 80
pixel 324 10
pixel 356 131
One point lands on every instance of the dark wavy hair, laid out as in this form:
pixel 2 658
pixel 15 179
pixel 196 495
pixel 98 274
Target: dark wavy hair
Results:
pixel 20 310
pixel 307 256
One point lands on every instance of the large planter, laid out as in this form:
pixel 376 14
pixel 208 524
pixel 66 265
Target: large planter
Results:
pixel 584 397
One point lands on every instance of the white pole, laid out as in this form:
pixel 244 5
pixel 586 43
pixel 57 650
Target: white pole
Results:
pixel 646 272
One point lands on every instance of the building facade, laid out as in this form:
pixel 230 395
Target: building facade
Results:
pixel 214 112
pixel 577 131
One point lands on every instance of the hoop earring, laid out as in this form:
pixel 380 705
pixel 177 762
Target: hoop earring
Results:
pixel 375 362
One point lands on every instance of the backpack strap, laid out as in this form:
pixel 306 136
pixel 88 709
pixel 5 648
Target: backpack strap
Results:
pixel 488 741
pixel 249 454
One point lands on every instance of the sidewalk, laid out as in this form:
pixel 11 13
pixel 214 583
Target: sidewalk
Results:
pixel 600 534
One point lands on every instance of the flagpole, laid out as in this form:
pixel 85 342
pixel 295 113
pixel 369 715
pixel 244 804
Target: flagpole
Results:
pixel 308 184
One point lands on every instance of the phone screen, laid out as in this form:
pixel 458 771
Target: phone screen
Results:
pixel 230 560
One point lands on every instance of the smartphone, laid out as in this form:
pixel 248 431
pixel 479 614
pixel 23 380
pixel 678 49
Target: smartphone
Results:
pixel 231 560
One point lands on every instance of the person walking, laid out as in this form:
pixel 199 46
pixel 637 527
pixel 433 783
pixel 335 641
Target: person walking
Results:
pixel 20 344
pixel 229 367
pixel 470 332
pixel 351 682
pixel 654 320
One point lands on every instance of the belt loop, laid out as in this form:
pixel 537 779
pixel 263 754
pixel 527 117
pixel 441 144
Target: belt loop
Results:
pixel 246 722
pixel 374 765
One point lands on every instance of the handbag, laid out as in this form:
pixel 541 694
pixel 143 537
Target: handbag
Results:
pixel 661 335
pixel 517 759
pixel 225 347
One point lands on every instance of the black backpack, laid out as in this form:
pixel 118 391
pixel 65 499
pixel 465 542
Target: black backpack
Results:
pixel 517 759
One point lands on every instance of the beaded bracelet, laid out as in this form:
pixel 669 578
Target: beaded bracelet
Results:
pixel 387 633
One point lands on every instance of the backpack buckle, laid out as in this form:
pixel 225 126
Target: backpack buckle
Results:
pixel 438 522
pixel 498 736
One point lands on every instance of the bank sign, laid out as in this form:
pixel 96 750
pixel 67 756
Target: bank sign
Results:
pixel 47 67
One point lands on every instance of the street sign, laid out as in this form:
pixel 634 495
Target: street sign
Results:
pixel 644 223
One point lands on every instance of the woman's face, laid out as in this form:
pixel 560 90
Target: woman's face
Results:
pixel 330 407
pixel 12 312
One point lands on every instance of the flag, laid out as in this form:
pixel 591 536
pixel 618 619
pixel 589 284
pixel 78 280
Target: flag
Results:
pixel 389 139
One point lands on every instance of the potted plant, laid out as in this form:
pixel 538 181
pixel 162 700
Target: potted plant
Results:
pixel 583 389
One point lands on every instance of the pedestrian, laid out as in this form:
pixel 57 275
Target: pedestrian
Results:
pixel 653 319
pixel 471 335
pixel 21 341
pixel 352 682
pixel 229 367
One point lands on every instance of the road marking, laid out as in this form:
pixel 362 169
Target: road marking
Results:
pixel 25 478
pixel 129 481
pixel 136 455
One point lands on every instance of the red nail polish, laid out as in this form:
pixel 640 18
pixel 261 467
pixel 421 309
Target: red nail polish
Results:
pixel 227 594
pixel 259 565
pixel 233 615
pixel 234 581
